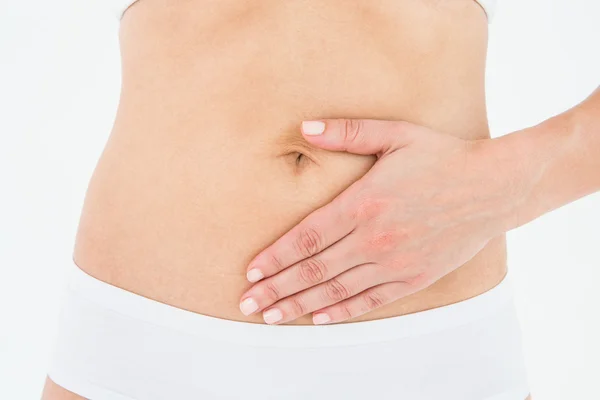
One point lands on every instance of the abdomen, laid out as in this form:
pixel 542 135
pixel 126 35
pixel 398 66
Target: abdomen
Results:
pixel 200 171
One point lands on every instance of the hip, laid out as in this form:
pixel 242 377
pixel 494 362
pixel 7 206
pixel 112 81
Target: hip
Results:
pixel 113 344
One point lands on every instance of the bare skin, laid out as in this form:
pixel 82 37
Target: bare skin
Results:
pixel 429 204
pixel 207 129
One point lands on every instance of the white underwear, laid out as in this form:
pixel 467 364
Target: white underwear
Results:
pixel 116 345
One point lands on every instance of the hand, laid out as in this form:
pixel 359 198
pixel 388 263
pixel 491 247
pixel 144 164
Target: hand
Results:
pixel 428 205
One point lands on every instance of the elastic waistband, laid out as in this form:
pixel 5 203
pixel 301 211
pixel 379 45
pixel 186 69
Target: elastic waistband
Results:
pixel 131 305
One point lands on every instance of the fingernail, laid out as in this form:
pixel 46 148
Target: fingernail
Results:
pixel 313 127
pixel 321 318
pixel 254 275
pixel 248 306
pixel 273 315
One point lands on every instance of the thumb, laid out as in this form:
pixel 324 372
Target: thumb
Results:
pixel 358 136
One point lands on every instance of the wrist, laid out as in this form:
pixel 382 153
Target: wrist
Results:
pixel 533 159
pixel 516 175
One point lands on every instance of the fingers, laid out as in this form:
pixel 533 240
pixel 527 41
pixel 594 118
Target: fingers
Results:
pixel 363 302
pixel 334 290
pixel 359 136
pixel 305 274
pixel 313 234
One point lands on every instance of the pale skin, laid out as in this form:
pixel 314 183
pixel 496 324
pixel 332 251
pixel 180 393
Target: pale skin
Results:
pixel 187 21
pixel 428 205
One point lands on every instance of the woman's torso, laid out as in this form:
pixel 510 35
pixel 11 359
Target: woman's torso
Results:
pixel 200 172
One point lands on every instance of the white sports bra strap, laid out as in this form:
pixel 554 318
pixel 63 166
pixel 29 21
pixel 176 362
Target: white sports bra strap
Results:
pixel 121 5
pixel 489 6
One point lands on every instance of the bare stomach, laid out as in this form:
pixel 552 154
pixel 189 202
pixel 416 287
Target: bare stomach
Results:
pixel 206 165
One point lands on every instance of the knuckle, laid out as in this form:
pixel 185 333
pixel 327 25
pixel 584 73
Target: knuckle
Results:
pixel 335 290
pixel 369 208
pixel 297 306
pixel 271 291
pixel 311 271
pixel 418 280
pixel 352 129
pixel 383 241
pixel 309 242
pixel 373 299
pixel 276 262
pixel 398 265
pixel 345 312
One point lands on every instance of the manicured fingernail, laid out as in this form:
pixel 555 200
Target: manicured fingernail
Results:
pixel 313 127
pixel 321 318
pixel 273 315
pixel 248 306
pixel 254 275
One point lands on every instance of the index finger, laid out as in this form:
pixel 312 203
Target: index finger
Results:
pixel 316 232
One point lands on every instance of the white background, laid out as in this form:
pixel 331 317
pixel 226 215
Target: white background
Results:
pixel 59 83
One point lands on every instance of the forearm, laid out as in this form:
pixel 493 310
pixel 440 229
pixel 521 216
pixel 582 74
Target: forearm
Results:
pixel 558 161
